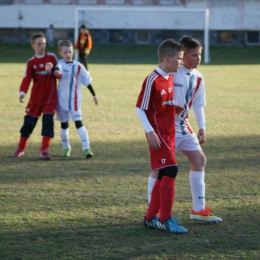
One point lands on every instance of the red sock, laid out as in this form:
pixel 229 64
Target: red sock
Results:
pixel 46 140
pixel 166 197
pixel 23 142
pixel 154 205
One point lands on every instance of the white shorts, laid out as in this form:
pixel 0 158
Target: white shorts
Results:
pixel 65 116
pixel 188 142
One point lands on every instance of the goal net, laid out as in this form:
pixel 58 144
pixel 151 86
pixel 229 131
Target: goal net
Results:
pixel 144 18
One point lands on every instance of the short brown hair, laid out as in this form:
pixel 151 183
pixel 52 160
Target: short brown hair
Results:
pixel 62 43
pixel 190 43
pixel 169 48
pixel 37 35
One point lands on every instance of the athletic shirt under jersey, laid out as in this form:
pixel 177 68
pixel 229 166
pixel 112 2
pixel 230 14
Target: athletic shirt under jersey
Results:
pixel 69 88
pixel 44 89
pixel 189 91
pixel 157 99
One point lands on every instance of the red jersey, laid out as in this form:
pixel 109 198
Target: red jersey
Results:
pixel 44 89
pixel 157 99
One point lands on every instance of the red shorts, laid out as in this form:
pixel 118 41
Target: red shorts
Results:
pixel 36 110
pixel 162 158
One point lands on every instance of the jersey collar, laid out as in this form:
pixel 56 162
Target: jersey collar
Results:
pixel 162 73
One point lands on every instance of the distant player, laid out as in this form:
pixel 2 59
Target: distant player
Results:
pixel 155 109
pixel 189 90
pixel 43 99
pixel 72 74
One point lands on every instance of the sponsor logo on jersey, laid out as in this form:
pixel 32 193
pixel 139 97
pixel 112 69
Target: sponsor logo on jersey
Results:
pixel 34 66
pixel 163 92
pixel 168 102
pixel 178 85
pixel 162 161
pixel 45 72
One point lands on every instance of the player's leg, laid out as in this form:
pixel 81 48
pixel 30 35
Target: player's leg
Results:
pixel 47 130
pixel 83 60
pixel 30 121
pixel 192 150
pixel 167 193
pixel 63 117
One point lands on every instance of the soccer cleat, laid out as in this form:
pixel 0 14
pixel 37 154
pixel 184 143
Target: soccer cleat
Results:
pixel 88 153
pixel 152 222
pixel 66 152
pixel 18 153
pixel 44 155
pixel 172 225
pixel 204 215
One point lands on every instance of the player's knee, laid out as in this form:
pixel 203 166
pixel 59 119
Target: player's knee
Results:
pixel 28 125
pixel 78 124
pixel 171 171
pixel 201 162
pixel 64 125
pixel 47 125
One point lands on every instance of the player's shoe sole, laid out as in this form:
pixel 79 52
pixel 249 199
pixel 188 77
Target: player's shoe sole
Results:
pixel 204 216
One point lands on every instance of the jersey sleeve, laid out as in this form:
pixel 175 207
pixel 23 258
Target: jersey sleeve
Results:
pixel 144 97
pixel 89 45
pixel 28 75
pixel 84 76
pixel 200 96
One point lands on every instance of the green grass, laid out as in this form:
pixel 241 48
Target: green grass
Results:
pixel 72 208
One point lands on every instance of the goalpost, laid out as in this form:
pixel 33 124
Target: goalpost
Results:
pixel 144 18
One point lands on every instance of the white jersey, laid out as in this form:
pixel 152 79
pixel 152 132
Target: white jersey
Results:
pixel 74 75
pixel 189 91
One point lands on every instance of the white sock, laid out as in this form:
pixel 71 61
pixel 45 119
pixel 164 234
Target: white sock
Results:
pixel 197 186
pixel 151 182
pixel 83 134
pixel 64 136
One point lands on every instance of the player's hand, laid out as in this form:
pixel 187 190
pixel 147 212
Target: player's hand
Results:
pixel 179 110
pixel 95 100
pixel 57 73
pixel 48 66
pixel 21 97
pixel 202 136
pixel 87 51
pixel 153 140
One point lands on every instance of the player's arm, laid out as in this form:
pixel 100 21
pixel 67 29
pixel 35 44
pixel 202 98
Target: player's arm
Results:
pixel 152 138
pixel 28 75
pixel 89 45
pixel 57 70
pixel 90 88
pixel 200 118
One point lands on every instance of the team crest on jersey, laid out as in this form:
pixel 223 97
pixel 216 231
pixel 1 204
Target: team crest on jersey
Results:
pixel 163 92
pixel 27 109
pixel 34 66
pixel 41 65
pixel 170 89
pixel 162 161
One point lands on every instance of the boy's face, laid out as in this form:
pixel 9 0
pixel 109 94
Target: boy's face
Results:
pixel 174 63
pixel 192 58
pixel 66 53
pixel 39 45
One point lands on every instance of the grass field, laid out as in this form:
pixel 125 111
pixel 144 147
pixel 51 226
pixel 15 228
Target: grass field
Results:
pixel 93 209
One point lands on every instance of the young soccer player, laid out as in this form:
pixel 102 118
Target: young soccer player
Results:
pixel 189 90
pixel 155 109
pixel 43 99
pixel 71 74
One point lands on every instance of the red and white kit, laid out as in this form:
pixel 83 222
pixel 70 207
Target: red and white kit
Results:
pixel 157 100
pixel 44 89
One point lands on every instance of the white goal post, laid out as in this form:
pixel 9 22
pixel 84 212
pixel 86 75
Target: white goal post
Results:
pixel 144 18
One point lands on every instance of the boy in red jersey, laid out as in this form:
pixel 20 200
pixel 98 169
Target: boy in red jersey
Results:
pixel 43 97
pixel 155 109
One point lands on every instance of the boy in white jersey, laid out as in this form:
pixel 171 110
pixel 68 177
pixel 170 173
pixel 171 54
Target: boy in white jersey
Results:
pixel 71 75
pixel 189 92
